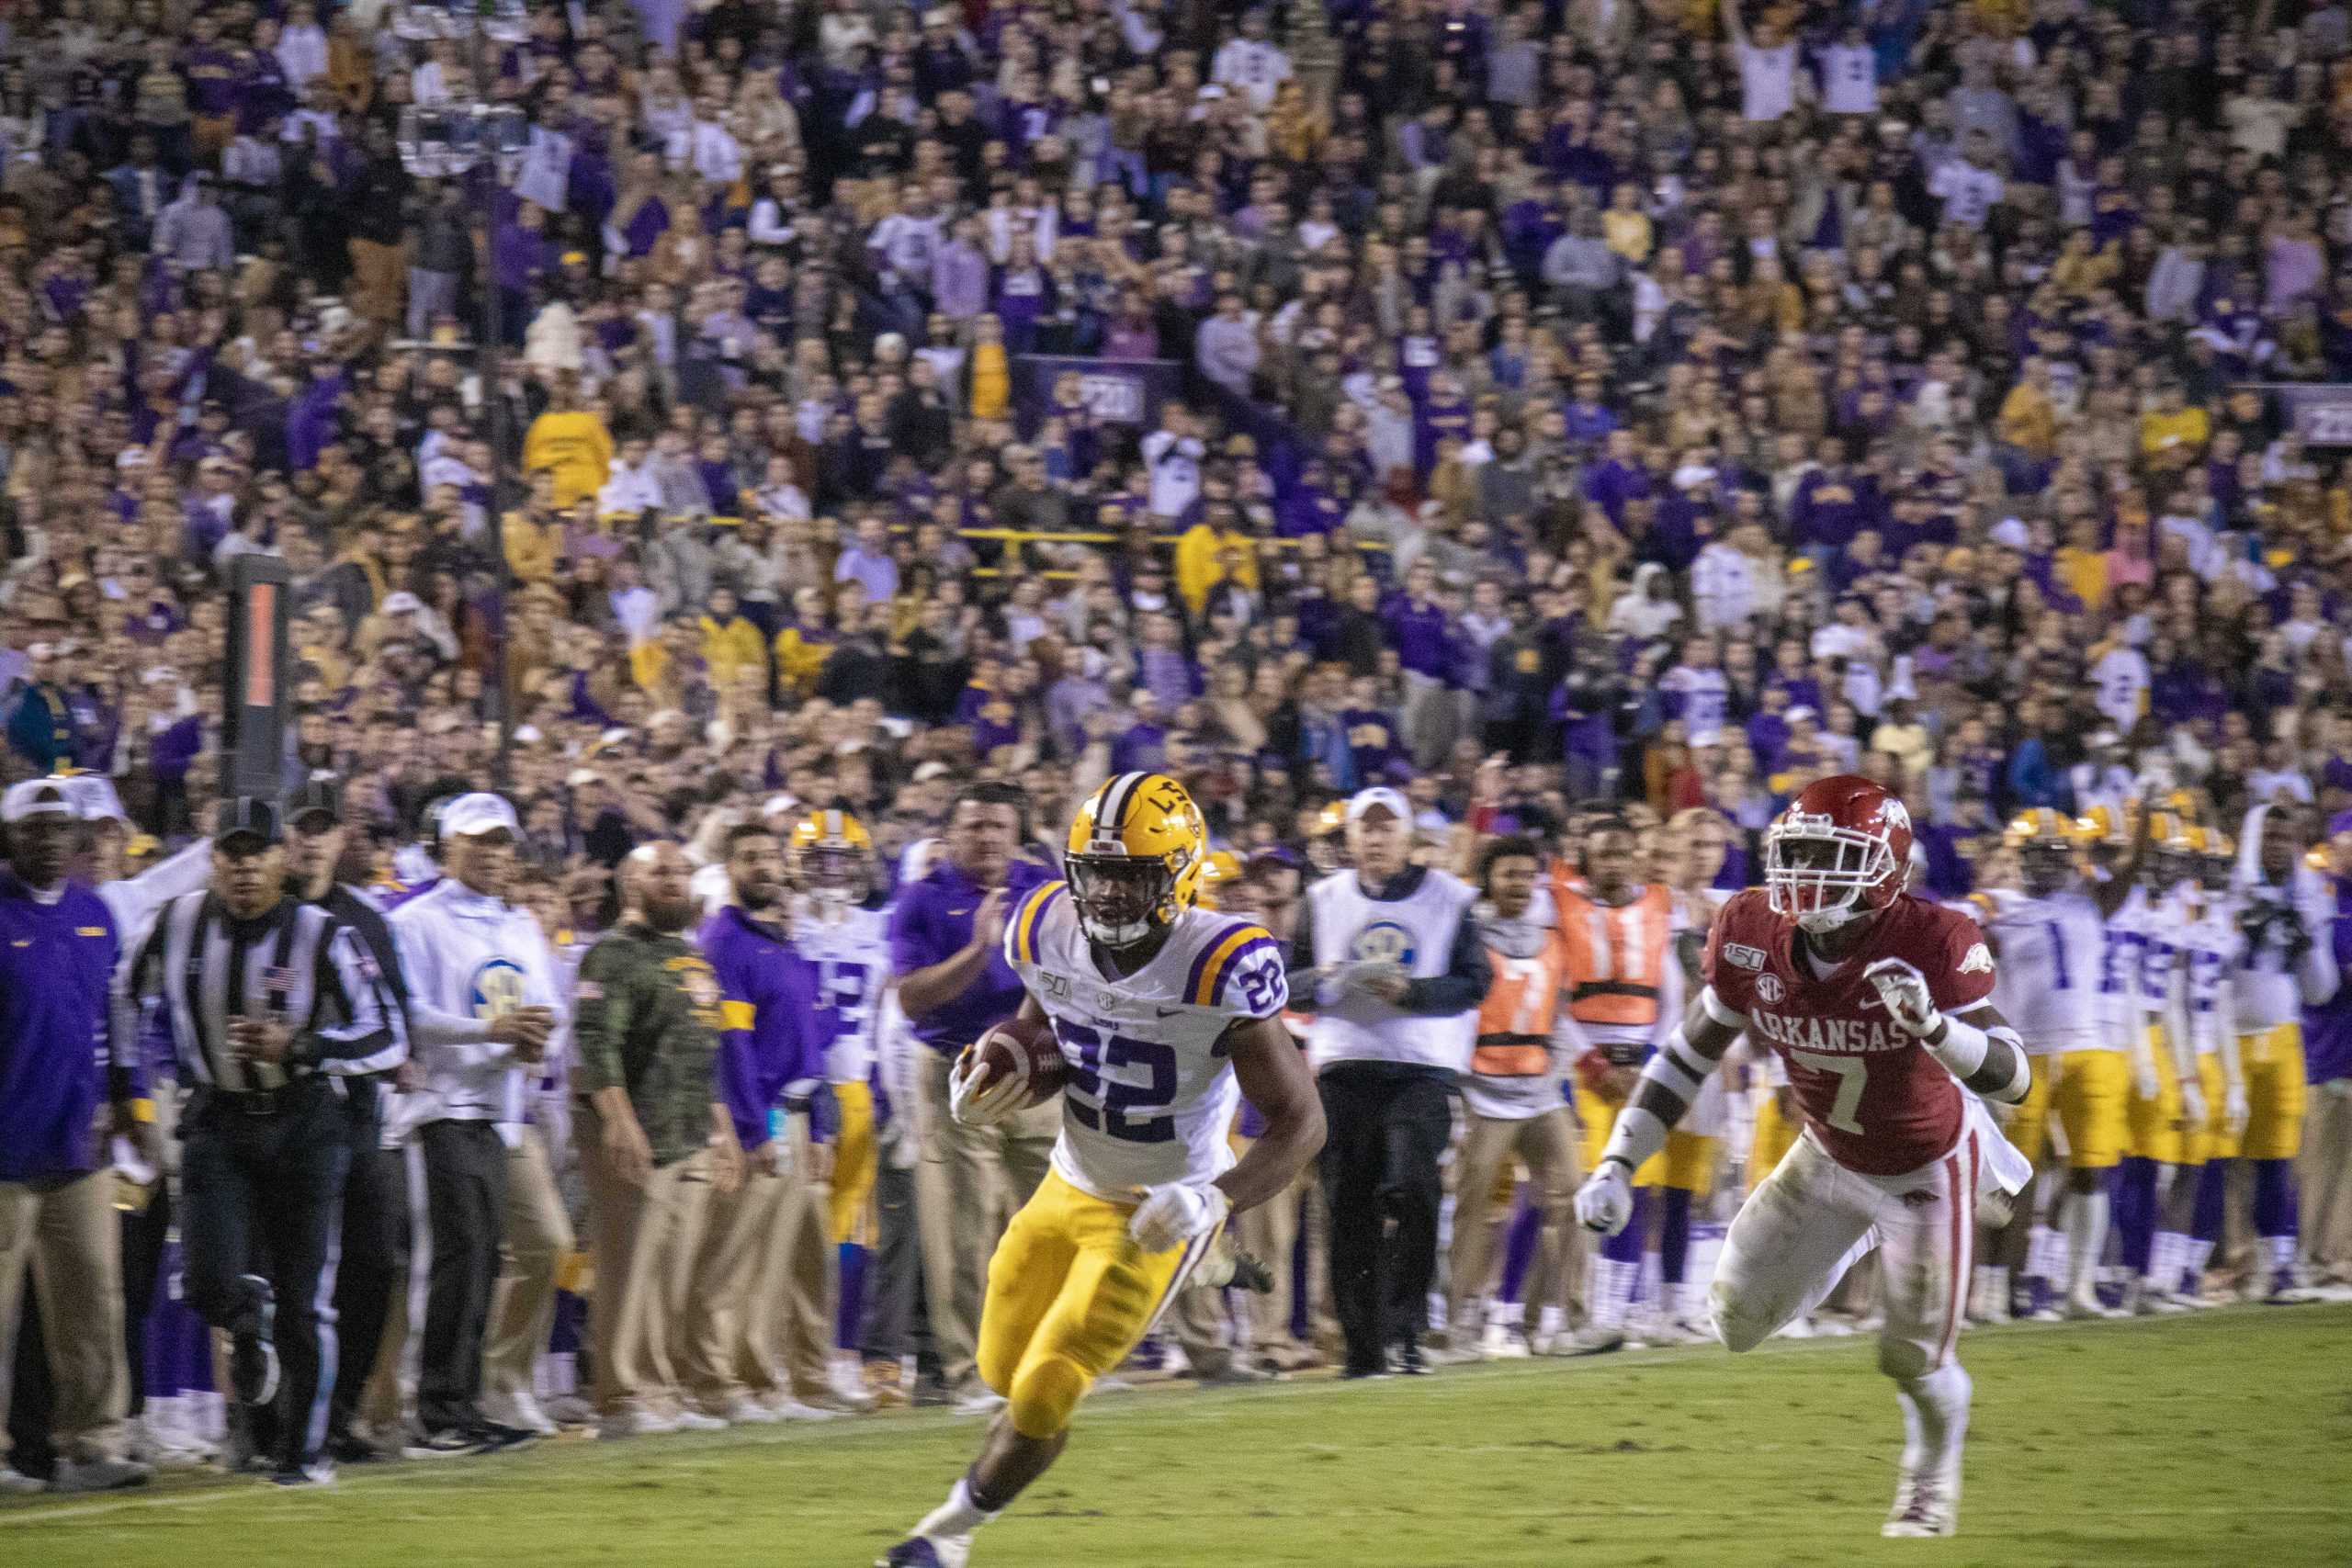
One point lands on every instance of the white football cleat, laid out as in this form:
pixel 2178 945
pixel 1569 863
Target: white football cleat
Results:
pixel 1502 1344
pixel 521 1411
pixel 637 1422
pixel 741 1410
pixel 697 1421
pixel 2085 1307
pixel 1921 1509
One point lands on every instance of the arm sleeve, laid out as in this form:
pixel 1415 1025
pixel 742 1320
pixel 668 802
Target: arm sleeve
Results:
pixel 369 1037
pixel 600 1019
pixel 1468 973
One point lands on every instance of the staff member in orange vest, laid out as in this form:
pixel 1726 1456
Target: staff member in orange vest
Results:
pixel 1623 992
pixel 1512 1096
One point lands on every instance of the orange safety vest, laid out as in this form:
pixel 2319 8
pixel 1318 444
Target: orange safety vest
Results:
pixel 1616 957
pixel 1515 1021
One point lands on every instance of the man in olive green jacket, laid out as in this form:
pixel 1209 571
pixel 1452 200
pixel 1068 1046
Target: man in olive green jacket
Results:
pixel 654 1141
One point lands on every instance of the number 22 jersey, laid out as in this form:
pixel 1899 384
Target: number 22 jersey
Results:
pixel 1152 1094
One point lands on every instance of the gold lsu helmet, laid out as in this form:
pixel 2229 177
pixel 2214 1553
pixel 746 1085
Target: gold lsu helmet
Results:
pixel 828 852
pixel 1219 869
pixel 2105 826
pixel 2042 826
pixel 1134 858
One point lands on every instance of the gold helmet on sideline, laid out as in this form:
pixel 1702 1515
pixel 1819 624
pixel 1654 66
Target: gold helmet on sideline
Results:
pixel 2045 843
pixel 1135 856
pixel 1222 868
pixel 829 851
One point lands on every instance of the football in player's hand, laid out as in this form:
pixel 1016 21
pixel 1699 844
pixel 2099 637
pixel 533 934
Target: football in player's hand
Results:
pixel 1024 1053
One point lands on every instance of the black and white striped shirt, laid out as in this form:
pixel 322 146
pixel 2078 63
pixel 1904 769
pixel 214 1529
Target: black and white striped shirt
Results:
pixel 296 965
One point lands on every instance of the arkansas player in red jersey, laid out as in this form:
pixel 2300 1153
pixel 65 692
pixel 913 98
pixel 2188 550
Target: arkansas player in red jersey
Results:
pixel 1876 1000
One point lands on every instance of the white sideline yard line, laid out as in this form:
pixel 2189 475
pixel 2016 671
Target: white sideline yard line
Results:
pixel 1204 1406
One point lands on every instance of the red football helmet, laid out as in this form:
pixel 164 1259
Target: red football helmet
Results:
pixel 1841 849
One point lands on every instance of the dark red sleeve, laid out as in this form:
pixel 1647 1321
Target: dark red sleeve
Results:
pixel 1957 961
pixel 1736 948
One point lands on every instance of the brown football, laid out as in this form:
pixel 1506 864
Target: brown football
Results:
pixel 1025 1049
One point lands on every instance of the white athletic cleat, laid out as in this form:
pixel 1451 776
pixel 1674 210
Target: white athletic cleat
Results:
pixel 741 1410
pixel 698 1421
pixel 521 1411
pixel 16 1484
pixel 637 1422
pixel 1592 1339
pixel 2085 1307
pixel 1502 1344
pixel 982 1400
pixel 1921 1508
pixel 788 1408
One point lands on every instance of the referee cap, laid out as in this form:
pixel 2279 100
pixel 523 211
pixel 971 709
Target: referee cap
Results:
pixel 318 797
pixel 480 812
pixel 36 797
pixel 246 818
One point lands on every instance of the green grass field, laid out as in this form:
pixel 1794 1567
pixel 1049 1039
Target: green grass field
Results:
pixel 2220 1440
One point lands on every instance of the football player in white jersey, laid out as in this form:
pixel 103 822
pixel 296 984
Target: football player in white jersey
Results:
pixel 2212 948
pixel 2054 947
pixel 1166 1014
pixel 837 928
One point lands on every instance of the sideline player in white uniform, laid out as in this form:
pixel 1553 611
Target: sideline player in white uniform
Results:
pixel 2069 980
pixel 1877 1001
pixel 1166 1015
pixel 840 929
pixel 2210 946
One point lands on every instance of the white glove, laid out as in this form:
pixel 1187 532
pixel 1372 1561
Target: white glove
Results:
pixel 2234 1106
pixel 1175 1211
pixel 1903 990
pixel 974 1107
pixel 1605 1201
pixel 2145 1083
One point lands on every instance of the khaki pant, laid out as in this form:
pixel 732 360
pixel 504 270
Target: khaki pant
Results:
pixel 534 1236
pixel 722 1350
pixel 645 1238
pixel 1270 1233
pixel 1548 1144
pixel 1322 1322
pixel 379 273
pixel 967 1183
pixel 73 1240
pixel 2324 1180
pixel 797 1333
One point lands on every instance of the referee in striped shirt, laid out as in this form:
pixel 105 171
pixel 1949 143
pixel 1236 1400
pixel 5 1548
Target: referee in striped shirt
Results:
pixel 273 1006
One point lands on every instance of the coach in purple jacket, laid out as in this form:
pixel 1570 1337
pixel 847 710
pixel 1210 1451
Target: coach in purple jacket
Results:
pixel 774 1044
pixel 61 1061
pixel 947 948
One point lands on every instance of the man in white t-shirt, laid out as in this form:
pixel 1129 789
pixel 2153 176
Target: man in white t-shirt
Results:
pixel 1251 65
pixel 1967 185
pixel 1849 73
pixel 1767 66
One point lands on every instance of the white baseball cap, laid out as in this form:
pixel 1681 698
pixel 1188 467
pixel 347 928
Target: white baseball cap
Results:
pixel 480 812
pixel 1382 797
pixel 37 797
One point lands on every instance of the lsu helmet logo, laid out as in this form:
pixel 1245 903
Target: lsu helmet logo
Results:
pixel 497 987
pixel 1384 942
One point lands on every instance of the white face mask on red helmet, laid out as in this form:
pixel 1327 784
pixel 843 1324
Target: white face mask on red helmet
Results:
pixel 1840 852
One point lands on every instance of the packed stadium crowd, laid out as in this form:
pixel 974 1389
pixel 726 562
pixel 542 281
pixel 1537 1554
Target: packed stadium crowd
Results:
pixel 1564 431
